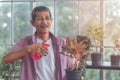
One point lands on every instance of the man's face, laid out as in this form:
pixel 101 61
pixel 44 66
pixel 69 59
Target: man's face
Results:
pixel 42 22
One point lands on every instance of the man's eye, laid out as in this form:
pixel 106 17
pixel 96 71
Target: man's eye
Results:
pixel 39 18
pixel 48 18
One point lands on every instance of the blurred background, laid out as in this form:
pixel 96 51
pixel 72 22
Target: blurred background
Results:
pixel 70 18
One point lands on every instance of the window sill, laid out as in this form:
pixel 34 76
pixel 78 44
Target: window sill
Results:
pixel 106 65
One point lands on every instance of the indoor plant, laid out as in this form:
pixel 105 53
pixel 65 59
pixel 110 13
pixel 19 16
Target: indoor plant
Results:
pixel 115 58
pixel 96 34
pixel 77 49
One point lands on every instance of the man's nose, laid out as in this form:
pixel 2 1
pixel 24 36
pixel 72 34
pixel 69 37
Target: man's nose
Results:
pixel 44 20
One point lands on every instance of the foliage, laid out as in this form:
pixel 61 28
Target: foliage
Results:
pixel 96 34
pixel 77 49
pixel 117 46
pixel 66 19
pixel 8 70
pixel 4 69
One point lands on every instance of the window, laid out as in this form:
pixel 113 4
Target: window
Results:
pixel 70 18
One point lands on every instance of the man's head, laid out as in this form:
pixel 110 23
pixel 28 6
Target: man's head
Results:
pixel 41 19
pixel 39 9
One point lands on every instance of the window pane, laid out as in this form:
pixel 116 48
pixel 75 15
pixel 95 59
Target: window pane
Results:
pixel 5 22
pixel 112 75
pixel 89 15
pixel 108 52
pixel 66 18
pixel 112 21
pixel 44 0
pixel 5 0
pixel 21 0
pixel 89 12
pixel 22 25
pixel 92 74
pixel 3 50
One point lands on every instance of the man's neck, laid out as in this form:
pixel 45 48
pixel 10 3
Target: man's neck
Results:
pixel 44 37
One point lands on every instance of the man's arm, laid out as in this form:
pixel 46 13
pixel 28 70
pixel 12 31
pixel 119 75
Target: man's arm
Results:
pixel 14 55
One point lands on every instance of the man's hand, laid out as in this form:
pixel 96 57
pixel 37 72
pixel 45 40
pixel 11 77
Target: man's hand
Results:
pixel 37 48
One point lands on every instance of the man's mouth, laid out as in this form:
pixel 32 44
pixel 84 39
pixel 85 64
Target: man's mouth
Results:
pixel 43 26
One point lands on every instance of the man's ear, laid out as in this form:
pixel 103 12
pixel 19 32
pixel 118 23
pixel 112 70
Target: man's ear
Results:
pixel 32 22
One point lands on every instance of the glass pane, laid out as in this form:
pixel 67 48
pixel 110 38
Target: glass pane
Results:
pixel 21 0
pixel 89 14
pixel 108 52
pixel 92 74
pixel 5 0
pixel 5 22
pixel 50 5
pixel 112 75
pixel 66 18
pixel 112 22
pixel 22 25
pixel 44 0
pixel 112 0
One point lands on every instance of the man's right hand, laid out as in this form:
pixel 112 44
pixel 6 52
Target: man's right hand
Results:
pixel 37 48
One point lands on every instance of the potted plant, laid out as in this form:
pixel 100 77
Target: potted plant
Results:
pixel 115 58
pixel 96 35
pixel 77 49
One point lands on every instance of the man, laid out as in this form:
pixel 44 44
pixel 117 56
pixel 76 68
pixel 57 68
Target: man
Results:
pixel 49 67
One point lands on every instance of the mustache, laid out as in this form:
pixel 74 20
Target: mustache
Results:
pixel 43 26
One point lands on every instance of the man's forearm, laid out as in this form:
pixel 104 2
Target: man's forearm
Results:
pixel 15 55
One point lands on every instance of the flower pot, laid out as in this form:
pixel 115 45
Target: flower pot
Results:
pixel 97 59
pixel 115 60
pixel 73 75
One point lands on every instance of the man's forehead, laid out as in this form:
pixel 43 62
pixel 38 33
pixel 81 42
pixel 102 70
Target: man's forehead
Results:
pixel 41 13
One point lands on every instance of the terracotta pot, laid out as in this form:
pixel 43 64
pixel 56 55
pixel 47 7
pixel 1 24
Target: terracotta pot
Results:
pixel 97 59
pixel 115 60
pixel 73 75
